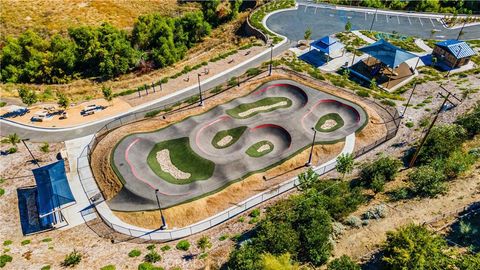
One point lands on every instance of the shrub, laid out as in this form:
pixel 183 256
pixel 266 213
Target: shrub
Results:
pixel 255 213
pixel 223 237
pixel 148 266
pixel 165 248
pixel 232 81
pixel 378 183
pixel 72 259
pixel 108 267
pixel 363 93
pixel 337 230
pixel 152 113
pixel 183 245
pixel 204 243
pixel 134 253
pixel 246 257
pixel 150 247
pixel 426 181
pixel 12 150
pixel 7 242
pixel 375 212
pixel 353 221
pixel 399 194
pixel 45 147
pixel 375 174
pixel 388 102
pixel 45 267
pixel 252 71
pixel 343 263
pixel 25 242
pixel 409 124
pixel 458 162
pixel 2 192
pixel 46 240
pixel 4 259
pixel 152 256
pixel 471 121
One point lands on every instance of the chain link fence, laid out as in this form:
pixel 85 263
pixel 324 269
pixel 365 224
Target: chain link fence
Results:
pixel 389 115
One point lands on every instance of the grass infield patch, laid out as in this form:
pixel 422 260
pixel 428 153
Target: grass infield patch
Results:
pixel 253 150
pixel 269 101
pixel 331 116
pixel 236 133
pixel 184 158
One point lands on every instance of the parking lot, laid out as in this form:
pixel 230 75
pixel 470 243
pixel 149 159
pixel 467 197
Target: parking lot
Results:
pixel 325 20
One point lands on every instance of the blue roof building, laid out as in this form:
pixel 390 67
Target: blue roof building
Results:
pixel 387 53
pixel 327 45
pixel 452 53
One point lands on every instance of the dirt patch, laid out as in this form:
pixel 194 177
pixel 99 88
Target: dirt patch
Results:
pixel 197 210
pixel 163 158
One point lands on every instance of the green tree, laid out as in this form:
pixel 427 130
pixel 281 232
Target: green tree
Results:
pixel 348 26
pixel 246 257
pixel 62 60
pixel 471 121
pixel 468 262
pixel 107 93
pixel 28 96
pixel 62 100
pixel 376 173
pixel 441 142
pixel 308 34
pixel 307 178
pixel 426 181
pixel 281 262
pixel 344 164
pixel 415 247
pixel 343 263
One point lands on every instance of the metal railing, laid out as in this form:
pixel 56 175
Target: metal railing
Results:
pixel 391 120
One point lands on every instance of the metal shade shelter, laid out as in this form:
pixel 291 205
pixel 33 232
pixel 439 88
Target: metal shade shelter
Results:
pixel 387 53
pixel 327 45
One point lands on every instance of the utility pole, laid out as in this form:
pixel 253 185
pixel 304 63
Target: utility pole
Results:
pixel 412 161
pixel 200 90
pixel 271 60
pixel 164 224
pixel 373 20
pixel 34 159
pixel 461 30
pixel 309 162
pixel 408 102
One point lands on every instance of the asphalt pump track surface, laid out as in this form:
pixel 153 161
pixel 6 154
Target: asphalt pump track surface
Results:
pixel 288 127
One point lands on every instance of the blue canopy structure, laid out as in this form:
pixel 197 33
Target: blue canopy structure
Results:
pixel 459 49
pixel 388 54
pixel 53 190
pixel 327 44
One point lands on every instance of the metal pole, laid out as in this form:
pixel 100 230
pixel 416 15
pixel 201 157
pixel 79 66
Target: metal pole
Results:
pixel 373 20
pixel 271 60
pixel 138 92
pixel 412 162
pixel 353 60
pixel 146 89
pixel 461 30
pixel 418 61
pixel 409 98
pixel 309 163
pixel 161 89
pixel 153 86
pixel 200 90
pixel 164 224
pixel 34 159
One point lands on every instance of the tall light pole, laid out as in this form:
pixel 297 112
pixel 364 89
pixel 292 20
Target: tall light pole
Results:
pixel 461 30
pixel 164 224
pixel 200 90
pixel 373 20
pixel 271 60
pixel 408 102
pixel 309 162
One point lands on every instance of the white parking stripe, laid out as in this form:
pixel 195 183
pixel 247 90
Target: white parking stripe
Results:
pixel 432 22
pixel 315 11
pixel 365 16
pixel 409 20
pixel 376 17
pixel 398 19
pixel 386 16
pixel 420 21
pixel 305 8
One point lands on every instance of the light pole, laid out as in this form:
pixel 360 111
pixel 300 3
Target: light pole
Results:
pixel 461 30
pixel 34 159
pixel 200 90
pixel 373 20
pixel 271 60
pixel 309 163
pixel 408 102
pixel 164 224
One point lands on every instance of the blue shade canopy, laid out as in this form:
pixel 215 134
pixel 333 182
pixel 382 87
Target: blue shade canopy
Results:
pixel 53 190
pixel 327 44
pixel 388 54
pixel 459 49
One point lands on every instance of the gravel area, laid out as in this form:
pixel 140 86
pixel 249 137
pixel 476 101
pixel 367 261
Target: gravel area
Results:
pixel 262 108
pixel 225 140
pixel 163 158
pixel 330 123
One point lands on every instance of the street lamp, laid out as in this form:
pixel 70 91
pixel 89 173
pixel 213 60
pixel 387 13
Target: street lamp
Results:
pixel 271 59
pixel 164 224
pixel 200 90
pixel 309 163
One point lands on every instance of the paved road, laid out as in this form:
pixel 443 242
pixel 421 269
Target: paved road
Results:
pixel 63 134
pixel 326 21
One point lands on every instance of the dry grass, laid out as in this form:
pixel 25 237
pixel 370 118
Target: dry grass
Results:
pixel 56 16
pixel 197 210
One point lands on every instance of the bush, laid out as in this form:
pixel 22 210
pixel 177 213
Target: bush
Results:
pixel 148 266
pixel 426 181
pixel 353 221
pixel 343 263
pixel 46 267
pixel 399 194
pixel 253 71
pixel 375 174
pixel 246 257
pixel 165 248
pixel 183 245
pixel 152 256
pixel 7 242
pixel 12 150
pixel 204 243
pixel 254 213
pixel 150 247
pixel 72 259
pixel 363 93
pixel 471 121
pixel 388 102
pixel 134 253
pixel 46 240
pixel 458 162
pixel 223 237
pixel 152 113
pixel 108 267
pixel 4 259
pixel 25 242
pixel 45 147
pixel 232 81
pixel 375 212
pixel 409 124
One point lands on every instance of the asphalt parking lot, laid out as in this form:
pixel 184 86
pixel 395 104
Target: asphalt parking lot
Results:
pixel 326 21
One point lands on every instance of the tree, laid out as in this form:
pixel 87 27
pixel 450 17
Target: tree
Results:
pixel 62 100
pixel 281 262
pixel 344 164
pixel 343 263
pixel 441 142
pixel 307 179
pixel 246 257
pixel 376 173
pixel 308 34
pixel 426 181
pixel 470 121
pixel 107 93
pixel 204 243
pixel 348 26
pixel 415 247
pixel 28 96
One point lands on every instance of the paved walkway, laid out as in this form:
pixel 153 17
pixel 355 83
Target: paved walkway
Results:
pixel 362 36
pixel 421 44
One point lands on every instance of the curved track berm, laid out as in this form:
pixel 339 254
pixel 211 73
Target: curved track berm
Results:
pixel 227 143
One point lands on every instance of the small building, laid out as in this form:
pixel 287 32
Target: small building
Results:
pixel 329 46
pixel 452 54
